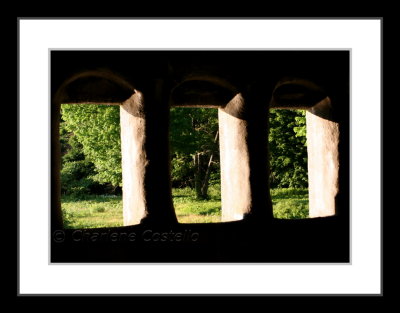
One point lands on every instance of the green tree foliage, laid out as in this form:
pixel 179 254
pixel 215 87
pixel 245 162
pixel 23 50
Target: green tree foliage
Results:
pixel 194 148
pixel 193 130
pixel 97 129
pixel 91 148
pixel 76 170
pixel 288 152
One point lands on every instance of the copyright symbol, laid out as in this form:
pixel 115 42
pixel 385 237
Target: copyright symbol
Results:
pixel 58 236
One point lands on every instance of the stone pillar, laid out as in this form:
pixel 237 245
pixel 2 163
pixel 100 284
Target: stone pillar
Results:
pixel 234 162
pixel 323 159
pixel 243 129
pixel 145 158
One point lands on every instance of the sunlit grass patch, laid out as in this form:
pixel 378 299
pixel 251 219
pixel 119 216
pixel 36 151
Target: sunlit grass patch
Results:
pixel 106 211
pixel 290 203
pixel 190 210
pixel 93 212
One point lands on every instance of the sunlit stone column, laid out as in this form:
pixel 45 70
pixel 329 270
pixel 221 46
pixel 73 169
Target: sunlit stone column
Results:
pixel 323 159
pixel 145 158
pixel 243 128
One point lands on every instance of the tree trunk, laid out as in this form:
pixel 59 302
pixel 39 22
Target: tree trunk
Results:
pixel 204 187
pixel 205 184
pixel 197 175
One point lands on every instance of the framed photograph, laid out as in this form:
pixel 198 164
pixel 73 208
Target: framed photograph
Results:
pixel 198 149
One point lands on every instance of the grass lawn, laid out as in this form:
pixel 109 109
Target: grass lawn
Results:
pixel 106 211
pixel 92 212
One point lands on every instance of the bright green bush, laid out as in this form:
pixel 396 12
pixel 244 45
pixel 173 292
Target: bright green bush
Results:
pixel 75 179
pixel 288 152
pixel 97 129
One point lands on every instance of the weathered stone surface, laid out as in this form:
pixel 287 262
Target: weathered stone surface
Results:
pixel 295 93
pixel 145 160
pixel 235 171
pixel 133 160
pixel 323 160
pixel 243 126
pixel 100 86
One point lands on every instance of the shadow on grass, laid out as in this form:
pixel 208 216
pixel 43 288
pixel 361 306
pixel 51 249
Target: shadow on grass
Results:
pixel 211 211
pixel 289 193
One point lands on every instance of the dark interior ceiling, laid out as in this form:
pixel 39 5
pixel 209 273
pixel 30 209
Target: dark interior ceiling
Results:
pixel 201 75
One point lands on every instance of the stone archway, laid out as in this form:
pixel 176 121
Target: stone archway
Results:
pixel 322 140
